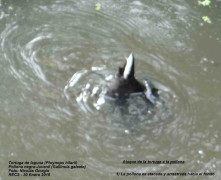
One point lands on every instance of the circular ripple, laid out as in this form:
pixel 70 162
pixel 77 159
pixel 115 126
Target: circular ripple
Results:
pixel 52 42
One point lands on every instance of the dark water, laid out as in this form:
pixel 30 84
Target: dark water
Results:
pixel 55 59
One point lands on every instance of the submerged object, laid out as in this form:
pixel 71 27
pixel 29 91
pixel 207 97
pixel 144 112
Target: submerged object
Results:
pixel 125 83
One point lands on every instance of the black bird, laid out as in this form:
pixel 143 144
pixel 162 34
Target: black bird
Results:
pixel 125 83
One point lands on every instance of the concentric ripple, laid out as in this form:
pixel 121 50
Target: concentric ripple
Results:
pixel 58 56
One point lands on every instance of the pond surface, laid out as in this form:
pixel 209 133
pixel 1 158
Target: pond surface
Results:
pixel 56 57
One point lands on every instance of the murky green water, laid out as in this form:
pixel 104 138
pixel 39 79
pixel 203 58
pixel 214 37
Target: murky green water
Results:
pixel 55 59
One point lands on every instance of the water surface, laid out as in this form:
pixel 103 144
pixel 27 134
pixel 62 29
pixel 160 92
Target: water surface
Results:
pixel 55 59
